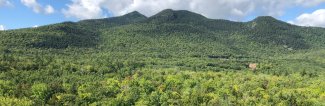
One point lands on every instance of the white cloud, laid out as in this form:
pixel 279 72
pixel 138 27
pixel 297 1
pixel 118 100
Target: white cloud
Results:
pixel 226 9
pixel 2 28
pixel 310 2
pixel 35 26
pixel 38 8
pixel 32 4
pixel 317 18
pixel 84 9
pixel 48 9
pixel 5 3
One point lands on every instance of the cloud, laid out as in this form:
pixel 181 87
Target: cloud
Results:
pixel 317 18
pixel 309 3
pixel 5 3
pixel 84 9
pixel 225 9
pixel 2 28
pixel 48 9
pixel 35 26
pixel 38 8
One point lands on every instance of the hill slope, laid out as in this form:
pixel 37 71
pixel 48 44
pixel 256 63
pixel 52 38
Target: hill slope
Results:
pixel 262 31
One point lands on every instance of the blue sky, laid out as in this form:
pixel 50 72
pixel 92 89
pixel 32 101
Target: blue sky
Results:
pixel 16 14
pixel 20 16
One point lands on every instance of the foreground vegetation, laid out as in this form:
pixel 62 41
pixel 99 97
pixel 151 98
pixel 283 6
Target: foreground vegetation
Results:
pixel 172 87
pixel 172 58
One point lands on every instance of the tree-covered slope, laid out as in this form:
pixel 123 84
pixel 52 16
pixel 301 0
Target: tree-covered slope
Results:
pixel 262 31
pixel 85 33
pixel 57 36
pixel 170 38
pixel 271 31
pixel 96 24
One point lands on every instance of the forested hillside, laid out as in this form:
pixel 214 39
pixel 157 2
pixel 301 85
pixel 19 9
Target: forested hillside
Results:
pixel 171 58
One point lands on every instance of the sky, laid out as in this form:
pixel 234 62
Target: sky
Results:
pixel 15 14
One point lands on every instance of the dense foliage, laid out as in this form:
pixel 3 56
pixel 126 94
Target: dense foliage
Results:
pixel 172 58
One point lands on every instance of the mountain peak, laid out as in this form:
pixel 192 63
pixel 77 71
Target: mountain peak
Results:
pixel 177 15
pixel 168 12
pixel 134 14
pixel 265 18
pixel 267 21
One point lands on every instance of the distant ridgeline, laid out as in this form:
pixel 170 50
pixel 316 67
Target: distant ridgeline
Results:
pixel 185 26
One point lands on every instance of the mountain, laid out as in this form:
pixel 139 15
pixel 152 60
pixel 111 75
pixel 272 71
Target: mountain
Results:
pixel 180 16
pixel 129 18
pixel 57 36
pixel 265 31
pixel 271 31
pixel 175 57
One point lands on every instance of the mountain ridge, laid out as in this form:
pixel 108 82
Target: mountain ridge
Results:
pixel 258 18
pixel 263 30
